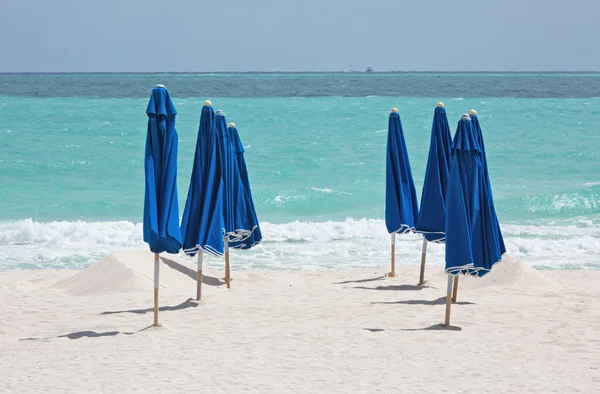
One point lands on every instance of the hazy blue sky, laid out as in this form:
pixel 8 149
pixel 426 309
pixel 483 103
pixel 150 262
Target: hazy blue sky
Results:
pixel 269 35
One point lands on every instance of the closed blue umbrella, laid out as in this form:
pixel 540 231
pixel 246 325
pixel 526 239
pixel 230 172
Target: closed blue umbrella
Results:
pixel 238 208
pixel 202 223
pixel 400 196
pixel 239 150
pixel 462 205
pixel 432 211
pixel 161 210
pixel 473 245
pixel 494 246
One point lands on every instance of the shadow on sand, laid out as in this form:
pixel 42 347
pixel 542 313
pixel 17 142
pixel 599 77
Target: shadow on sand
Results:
pixel 189 303
pixel 439 301
pixel 93 334
pixel 207 280
pixel 435 327
pixel 393 287
pixel 360 280
pixel 88 334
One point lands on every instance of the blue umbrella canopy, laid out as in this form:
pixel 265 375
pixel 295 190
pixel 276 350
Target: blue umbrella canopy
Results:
pixel 432 211
pixel 239 150
pixel 202 223
pixel 238 209
pixel 400 196
pixel 467 241
pixel 161 209
pixel 489 227
pixel 462 203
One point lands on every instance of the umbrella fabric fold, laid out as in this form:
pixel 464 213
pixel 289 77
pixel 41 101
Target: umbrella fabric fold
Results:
pixel 238 209
pixel 463 203
pixel 239 150
pixel 487 230
pixel 400 196
pixel 161 208
pixel 202 225
pixel 432 210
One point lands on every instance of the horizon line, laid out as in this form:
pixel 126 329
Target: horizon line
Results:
pixel 306 72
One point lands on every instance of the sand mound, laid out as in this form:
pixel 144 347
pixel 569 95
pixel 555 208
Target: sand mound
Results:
pixel 510 273
pixel 129 271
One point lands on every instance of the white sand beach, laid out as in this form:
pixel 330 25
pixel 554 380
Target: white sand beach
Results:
pixel 517 330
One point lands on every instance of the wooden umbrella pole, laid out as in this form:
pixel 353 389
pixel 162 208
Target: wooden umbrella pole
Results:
pixel 393 271
pixel 423 259
pixel 199 278
pixel 455 292
pixel 227 272
pixel 156 282
pixel 448 301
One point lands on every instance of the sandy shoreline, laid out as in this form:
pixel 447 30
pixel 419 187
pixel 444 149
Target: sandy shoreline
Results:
pixel 517 329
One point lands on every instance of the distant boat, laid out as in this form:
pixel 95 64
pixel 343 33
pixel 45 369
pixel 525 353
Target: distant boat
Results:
pixel 369 70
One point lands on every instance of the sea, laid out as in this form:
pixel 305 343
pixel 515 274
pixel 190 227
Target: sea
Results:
pixel 72 173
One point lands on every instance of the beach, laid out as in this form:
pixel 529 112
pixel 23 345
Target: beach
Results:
pixel 351 330
pixel 322 158
pixel 310 308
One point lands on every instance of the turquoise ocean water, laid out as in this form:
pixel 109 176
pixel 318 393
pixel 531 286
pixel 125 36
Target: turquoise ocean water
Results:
pixel 72 177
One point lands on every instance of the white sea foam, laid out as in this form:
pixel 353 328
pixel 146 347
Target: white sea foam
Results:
pixel 572 203
pixel 322 190
pixel 284 199
pixel 27 244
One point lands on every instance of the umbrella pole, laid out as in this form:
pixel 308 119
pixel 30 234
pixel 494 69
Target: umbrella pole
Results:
pixel 423 259
pixel 156 281
pixel 199 278
pixel 448 301
pixel 393 271
pixel 455 292
pixel 227 273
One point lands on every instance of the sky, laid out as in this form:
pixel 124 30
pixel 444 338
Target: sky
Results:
pixel 301 35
